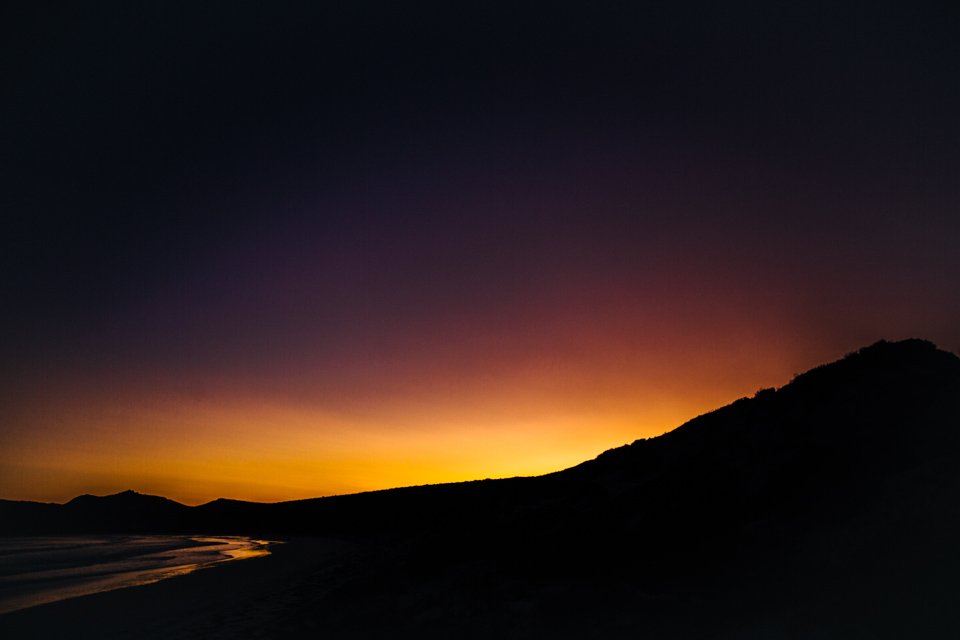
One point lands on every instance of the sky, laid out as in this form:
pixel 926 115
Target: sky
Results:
pixel 271 251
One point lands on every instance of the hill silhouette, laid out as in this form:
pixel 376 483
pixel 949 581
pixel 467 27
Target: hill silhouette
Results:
pixel 827 507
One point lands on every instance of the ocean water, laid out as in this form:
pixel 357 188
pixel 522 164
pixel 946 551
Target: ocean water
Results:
pixel 37 570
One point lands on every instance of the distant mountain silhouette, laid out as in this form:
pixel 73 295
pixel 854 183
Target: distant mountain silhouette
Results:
pixel 124 512
pixel 127 510
pixel 832 501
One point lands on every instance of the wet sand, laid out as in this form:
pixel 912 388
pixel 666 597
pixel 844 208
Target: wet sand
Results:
pixel 266 597
pixel 42 570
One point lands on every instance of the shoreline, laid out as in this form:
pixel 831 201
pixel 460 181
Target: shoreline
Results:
pixel 51 569
pixel 233 599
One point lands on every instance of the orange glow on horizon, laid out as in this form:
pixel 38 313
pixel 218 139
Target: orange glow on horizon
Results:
pixel 229 444
pixel 237 452
pixel 521 393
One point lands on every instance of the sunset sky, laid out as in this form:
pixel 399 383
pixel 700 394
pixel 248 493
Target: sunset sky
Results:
pixel 282 250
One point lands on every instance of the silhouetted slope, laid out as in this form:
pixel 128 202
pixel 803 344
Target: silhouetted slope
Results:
pixel 827 444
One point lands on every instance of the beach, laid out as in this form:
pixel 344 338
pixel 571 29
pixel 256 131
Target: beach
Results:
pixel 262 597
pixel 37 570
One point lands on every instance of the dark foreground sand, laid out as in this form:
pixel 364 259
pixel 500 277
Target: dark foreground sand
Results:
pixel 336 590
pixel 257 598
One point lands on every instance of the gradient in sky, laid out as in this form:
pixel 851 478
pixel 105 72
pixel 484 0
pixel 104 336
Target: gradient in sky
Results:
pixel 275 252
